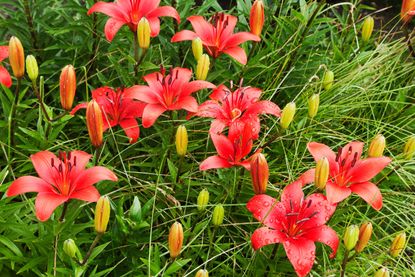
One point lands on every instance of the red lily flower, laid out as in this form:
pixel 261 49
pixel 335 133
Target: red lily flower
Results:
pixel 163 93
pixel 218 37
pixel 118 109
pixel 61 179
pixel 408 10
pixel 231 150
pixel 5 78
pixel 234 109
pixel 296 223
pixel 130 12
pixel 348 173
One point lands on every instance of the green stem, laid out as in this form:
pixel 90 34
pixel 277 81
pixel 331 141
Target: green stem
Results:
pixel 39 97
pixel 91 248
pixel 344 263
pixel 65 208
pixel 12 118
pixel 29 19
pixel 387 175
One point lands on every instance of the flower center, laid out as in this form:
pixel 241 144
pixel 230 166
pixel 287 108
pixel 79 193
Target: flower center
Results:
pixel 236 113
pixel 63 167
pixel 345 164
pixel 169 91
pixel 295 219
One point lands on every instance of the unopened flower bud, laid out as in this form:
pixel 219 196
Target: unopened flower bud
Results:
pixel 95 123
pixel 256 17
pixel 202 68
pixel 367 28
pixel 259 173
pixel 31 67
pixel 202 199
pixel 351 236
pixel 377 146
pixel 181 140
pixel 197 48
pixel 70 248
pixel 16 57
pixel 407 11
pixel 313 104
pixel 322 173
pixel 398 245
pixel 409 149
pixel 135 210
pixel 218 214
pixel 143 33
pixel 328 79
pixel 383 272
pixel 102 214
pixel 67 87
pixel 175 239
pixel 202 273
pixel 365 232
pixel 287 115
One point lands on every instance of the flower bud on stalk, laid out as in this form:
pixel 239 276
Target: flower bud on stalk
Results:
pixel 408 10
pixel 409 149
pixel 67 87
pixel 32 68
pixel 218 214
pixel 175 239
pixel 202 273
pixel 377 146
pixel 287 115
pixel 367 28
pixel 398 245
pixel 94 123
pixel 143 33
pixel 351 236
pixel 328 79
pixel 202 68
pixel 365 233
pixel 202 200
pixel 16 57
pixel 313 104
pixel 383 272
pixel 322 173
pixel 256 17
pixel 181 140
pixel 197 48
pixel 102 214
pixel 70 248
pixel 259 173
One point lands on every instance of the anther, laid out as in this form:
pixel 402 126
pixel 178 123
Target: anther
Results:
pixel 74 161
pixel 354 159
pixel 339 153
pixel 60 168
pixel 291 204
pixel 52 162
pixel 309 203
pixel 69 155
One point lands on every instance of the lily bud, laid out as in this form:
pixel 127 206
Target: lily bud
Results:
pixel 322 173
pixel 218 214
pixel 67 87
pixel 287 115
pixel 143 33
pixel 202 68
pixel 202 199
pixel 367 28
pixel 94 123
pixel 202 273
pixel 365 233
pixel 16 57
pixel 328 79
pixel 377 146
pixel 102 214
pixel 398 245
pixel 351 236
pixel 256 17
pixel 407 11
pixel 175 239
pixel 197 48
pixel 32 68
pixel 135 210
pixel 409 149
pixel 70 248
pixel 383 272
pixel 259 173
pixel 313 104
pixel 181 140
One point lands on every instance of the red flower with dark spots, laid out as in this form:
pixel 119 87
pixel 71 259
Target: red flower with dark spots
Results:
pixel 5 78
pixel 296 223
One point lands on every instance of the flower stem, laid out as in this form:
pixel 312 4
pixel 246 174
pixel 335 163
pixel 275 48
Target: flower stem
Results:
pixel 29 19
pixel 344 263
pixel 39 97
pixel 387 175
pixel 65 208
pixel 91 248
pixel 12 118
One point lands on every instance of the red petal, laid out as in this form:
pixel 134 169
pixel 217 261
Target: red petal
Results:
pixel 364 170
pixel 187 103
pixel 5 77
pixel 214 162
pixel 319 150
pixel 308 176
pixel 223 146
pixel 318 210
pixel 151 113
pixel 82 159
pixel 264 107
pixel 220 93
pixel 301 252
pixel 203 29
pixel 265 236
pixel 184 35
pixel 89 194
pixel 142 93
pixel 209 108
pixel 78 107
pixel 42 164
pixel 154 26
pixel 91 176
pixel 46 203
pixel 237 53
pixel 165 11
pixel 4 52
pixel 292 196
pixel 110 9
pixel 189 88
pixel 131 129
pixel 326 235
pixel 217 126
pixel 355 146
pixel 336 193
pixel 370 193
pixel 28 184
pixel 146 6
pixel 246 164
pixel 238 38
pixel 111 28
pixel 153 81
pixel 265 209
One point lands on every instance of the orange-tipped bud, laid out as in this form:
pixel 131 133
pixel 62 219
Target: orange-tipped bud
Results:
pixel 102 214
pixel 408 10
pixel 95 123
pixel 322 173
pixel 16 57
pixel 398 245
pixel 202 273
pixel 67 86
pixel 365 232
pixel 197 48
pixel 259 173
pixel 383 272
pixel 175 239
pixel 377 146
pixel 256 18
pixel 143 33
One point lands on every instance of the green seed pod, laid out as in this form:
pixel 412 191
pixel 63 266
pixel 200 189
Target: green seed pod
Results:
pixel 409 149
pixel 287 115
pixel 351 236
pixel 203 200
pixel 313 104
pixel 328 79
pixel 218 214
pixel 70 248
pixel 31 67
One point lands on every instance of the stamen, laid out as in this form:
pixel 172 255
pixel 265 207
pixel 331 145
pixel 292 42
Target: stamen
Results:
pixel 354 159
pixel 291 204
pixel 350 150
pixel 69 155
pixel 313 214
pixel 241 82
pixel 292 214
pixel 60 168
pixel 309 203
pixel 339 153
pixel 74 161
pixel 343 162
